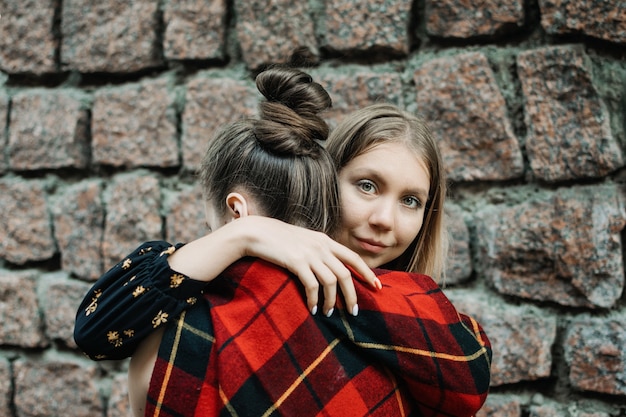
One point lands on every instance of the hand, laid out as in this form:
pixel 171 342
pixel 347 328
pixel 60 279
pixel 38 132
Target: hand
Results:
pixel 312 256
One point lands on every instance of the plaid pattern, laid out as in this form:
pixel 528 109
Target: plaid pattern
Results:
pixel 253 349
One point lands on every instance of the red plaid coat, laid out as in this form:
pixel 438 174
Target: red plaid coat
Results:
pixel 250 350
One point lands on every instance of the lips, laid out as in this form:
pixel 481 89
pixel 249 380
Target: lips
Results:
pixel 371 246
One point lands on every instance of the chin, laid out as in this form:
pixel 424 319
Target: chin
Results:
pixel 372 263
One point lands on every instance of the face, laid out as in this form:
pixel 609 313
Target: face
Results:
pixel 383 198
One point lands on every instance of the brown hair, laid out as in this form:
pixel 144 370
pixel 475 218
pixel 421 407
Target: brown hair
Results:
pixel 278 158
pixel 379 123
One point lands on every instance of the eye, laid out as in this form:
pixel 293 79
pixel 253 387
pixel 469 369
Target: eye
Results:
pixel 366 186
pixel 412 202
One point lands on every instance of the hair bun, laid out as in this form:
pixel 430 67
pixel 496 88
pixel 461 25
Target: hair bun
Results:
pixel 289 122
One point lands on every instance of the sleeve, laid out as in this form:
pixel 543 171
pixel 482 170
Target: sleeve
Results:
pixel 129 301
pixel 411 328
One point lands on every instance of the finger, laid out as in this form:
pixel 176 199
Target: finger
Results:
pixel 358 267
pixel 311 288
pixel 329 287
pixel 349 294
pixel 344 278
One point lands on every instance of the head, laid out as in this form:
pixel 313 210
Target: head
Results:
pixel 276 163
pixel 408 189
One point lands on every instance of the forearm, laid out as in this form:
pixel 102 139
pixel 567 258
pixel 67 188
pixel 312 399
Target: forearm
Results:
pixel 130 300
pixel 205 258
pixel 152 286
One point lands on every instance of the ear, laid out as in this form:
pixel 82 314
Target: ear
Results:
pixel 237 206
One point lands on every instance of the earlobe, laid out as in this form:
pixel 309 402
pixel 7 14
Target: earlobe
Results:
pixel 237 205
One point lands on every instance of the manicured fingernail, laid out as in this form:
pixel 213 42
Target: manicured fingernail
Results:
pixel 355 310
pixel 378 284
pixel 314 310
pixel 330 312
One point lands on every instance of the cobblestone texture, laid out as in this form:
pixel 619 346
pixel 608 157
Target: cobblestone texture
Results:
pixel 19 310
pixel 272 31
pixel 27 41
pixel 358 88
pixel 603 19
pixel 133 215
pixel 564 248
pixel 4 112
pixel 463 19
pixel 500 406
pixel 212 100
pixel 185 219
pixel 569 132
pixel 6 390
pixel 79 227
pixel 61 301
pixel 49 129
pixel 459 263
pixel 595 350
pixel 69 387
pixel 25 228
pixel 135 126
pixel 195 29
pixel 460 99
pixel 514 332
pixel 109 36
pixel 360 26
pixel 119 405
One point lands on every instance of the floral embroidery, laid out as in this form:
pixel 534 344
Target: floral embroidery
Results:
pixel 143 251
pixel 139 290
pixel 176 280
pixel 91 307
pixel 94 302
pixel 129 333
pixel 191 300
pixel 168 251
pixel 126 263
pixel 114 337
pixel 100 356
pixel 159 319
pixel 130 280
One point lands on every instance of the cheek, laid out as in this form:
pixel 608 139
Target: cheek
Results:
pixel 348 207
pixel 411 228
pixel 351 210
pixel 351 216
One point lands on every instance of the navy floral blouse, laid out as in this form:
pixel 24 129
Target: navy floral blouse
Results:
pixel 129 301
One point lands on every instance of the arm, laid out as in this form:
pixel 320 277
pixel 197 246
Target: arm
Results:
pixel 148 288
pixel 135 297
pixel 312 256
pixel 129 301
pixel 411 328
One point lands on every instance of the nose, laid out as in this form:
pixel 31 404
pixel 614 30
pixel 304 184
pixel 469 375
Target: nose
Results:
pixel 382 215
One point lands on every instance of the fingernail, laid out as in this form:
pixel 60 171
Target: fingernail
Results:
pixel 378 284
pixel 355 310
pixel 330 312
pixel 314 310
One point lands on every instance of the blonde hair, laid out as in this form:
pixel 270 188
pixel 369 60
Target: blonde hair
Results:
pixel 278 158
pixel 379 123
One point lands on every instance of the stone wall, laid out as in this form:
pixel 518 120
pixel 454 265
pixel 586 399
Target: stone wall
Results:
pixel 106 106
